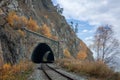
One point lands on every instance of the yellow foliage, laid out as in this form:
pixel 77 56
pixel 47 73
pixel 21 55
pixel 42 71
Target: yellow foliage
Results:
pixel 15 72
pixel 22 33
pixel 20 21
pixel 46 31
pixel 82 54
pixel 12 18
pixel 67 53
pixel 6 66
pixel 32 25
pixel 24 20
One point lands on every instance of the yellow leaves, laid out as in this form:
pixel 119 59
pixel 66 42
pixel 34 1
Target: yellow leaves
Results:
pixel 17 22
pixel 81 55
pixel 14 20
pixel 46 31
pixel 22 33
pixel 6 72
pixel 12 17
pixel 6 66
pixel 32 25
pixel 20 21
pixel 24 19
pixel 14 72
pixel 67 53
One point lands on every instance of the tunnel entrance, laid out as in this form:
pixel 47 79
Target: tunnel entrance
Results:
pixel 42 54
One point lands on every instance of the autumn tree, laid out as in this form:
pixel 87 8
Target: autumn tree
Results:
pixel 106 46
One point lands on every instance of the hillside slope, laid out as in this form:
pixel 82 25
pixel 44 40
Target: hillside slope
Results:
pixel 44 13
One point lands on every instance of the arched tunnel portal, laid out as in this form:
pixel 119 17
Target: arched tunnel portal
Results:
pixel 42 53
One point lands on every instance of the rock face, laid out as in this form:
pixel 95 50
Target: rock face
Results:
pixel 43 12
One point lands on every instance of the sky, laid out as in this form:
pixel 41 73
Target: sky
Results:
pixel 90 14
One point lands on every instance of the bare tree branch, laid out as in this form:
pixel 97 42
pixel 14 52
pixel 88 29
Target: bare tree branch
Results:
pixel 105 45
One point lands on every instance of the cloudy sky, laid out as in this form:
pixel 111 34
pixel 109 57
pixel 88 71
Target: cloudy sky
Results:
pixel 91 14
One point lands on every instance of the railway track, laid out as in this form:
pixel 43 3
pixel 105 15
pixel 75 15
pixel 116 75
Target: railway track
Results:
pixel 48 71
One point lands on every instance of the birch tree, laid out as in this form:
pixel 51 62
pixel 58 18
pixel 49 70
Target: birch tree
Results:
pixel 106 46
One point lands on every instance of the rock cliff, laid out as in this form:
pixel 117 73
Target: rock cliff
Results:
pixel 43 12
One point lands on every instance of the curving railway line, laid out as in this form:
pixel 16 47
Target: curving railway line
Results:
pixel 52 74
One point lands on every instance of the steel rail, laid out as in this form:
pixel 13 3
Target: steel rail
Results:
pixel 45 73
pixel 69 78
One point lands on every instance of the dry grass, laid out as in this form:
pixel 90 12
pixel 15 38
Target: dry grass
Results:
pixel 20 71
pixel 95 70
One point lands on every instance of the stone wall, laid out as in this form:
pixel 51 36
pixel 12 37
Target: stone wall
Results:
pixel 33 39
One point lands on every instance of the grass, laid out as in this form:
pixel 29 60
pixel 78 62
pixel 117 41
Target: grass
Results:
pixel 19 71
pixel 94 70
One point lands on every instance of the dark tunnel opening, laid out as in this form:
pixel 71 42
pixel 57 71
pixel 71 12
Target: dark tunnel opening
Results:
pixel 42 54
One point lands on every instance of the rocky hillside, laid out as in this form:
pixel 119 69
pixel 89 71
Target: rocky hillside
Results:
pixel 15 14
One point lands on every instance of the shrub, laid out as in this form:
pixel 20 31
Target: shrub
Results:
pixel 12 18
pixel 17 22
pixel 22 33
pixel 95 70
pixel 32 25
pixel 82 54
pixel 16 72
pixel 45 30
pixel 67 53
pixel 20 21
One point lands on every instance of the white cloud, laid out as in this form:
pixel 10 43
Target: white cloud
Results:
pixel 88 40
pixel 91 31
pixel 84 31
pixel 95 12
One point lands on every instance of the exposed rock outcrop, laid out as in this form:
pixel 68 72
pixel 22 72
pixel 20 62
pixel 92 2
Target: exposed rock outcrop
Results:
pixel 43 12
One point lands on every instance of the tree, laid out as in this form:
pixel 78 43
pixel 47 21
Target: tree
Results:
pixel 59 9
pixel 76 28
pixel 71 24
pixel 106 46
